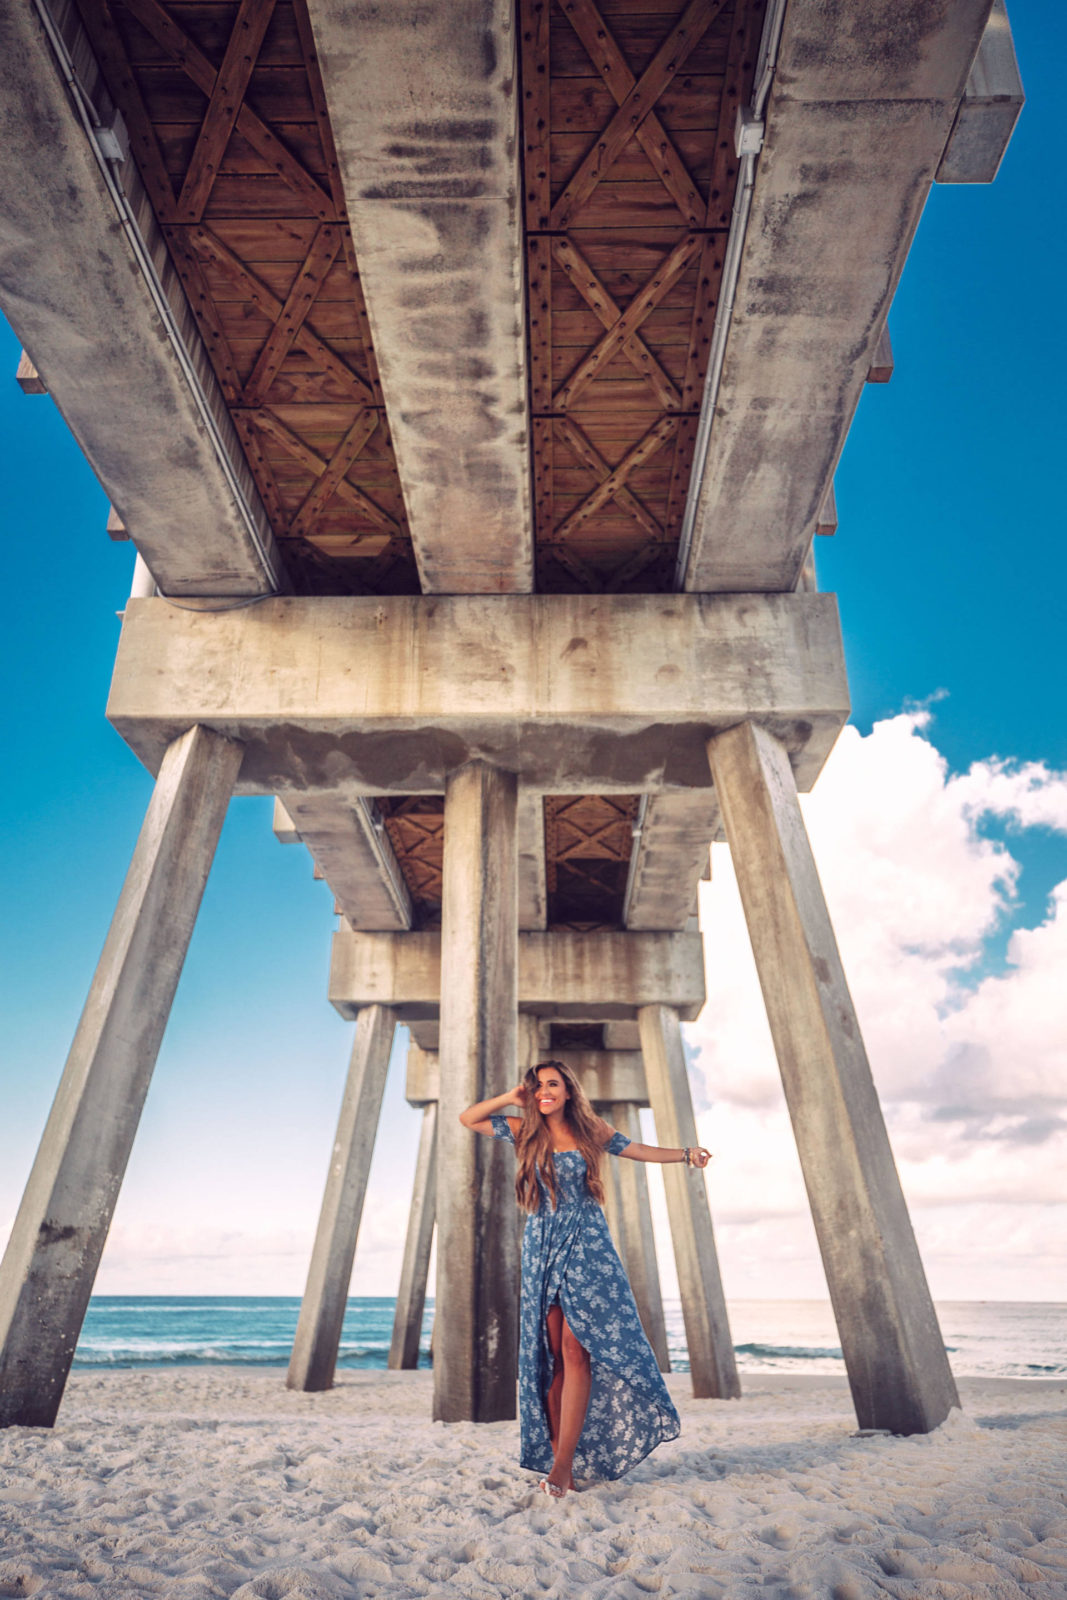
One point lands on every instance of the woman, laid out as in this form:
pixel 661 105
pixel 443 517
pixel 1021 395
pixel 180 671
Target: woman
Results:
pixel 589 1387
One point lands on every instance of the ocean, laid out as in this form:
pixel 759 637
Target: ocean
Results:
pixel 984 1338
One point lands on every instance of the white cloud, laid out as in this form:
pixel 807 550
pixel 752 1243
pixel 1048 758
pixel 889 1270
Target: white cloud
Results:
pixel 973 1076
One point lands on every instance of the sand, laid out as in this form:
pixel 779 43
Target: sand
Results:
pixel 217 1482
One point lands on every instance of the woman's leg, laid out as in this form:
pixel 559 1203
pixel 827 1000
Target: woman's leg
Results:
pixel 554 1396
pixel 574 1401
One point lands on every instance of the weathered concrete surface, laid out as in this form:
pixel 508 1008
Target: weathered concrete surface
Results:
pixel 424 107
pixel 48 1270
pixel 72 290
pixel 989 110
pixel 707 1327
pixel 606 1076
pixel 414 1270
pixel 864 97
pixel 322 1310
pixel 354 856
pixel 892 1345
pixel 671 857
pixel 533 874
pixel 574 693
pixel 476 1305
pixel 581 977
pixel 635 1228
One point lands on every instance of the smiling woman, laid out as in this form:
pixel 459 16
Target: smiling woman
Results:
pixel 590 1393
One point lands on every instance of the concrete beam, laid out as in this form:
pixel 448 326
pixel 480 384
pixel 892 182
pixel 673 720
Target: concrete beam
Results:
pixel 88 286
pixel 864 97
pixel 606 1076
pixel 584 977
pixel 415 1268
pixel 573 693
pixel 989 110
pixel 533 874
pixel 352 852
pixel 670 857
pixel 424 107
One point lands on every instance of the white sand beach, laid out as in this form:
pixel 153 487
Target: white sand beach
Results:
pixel 204 1482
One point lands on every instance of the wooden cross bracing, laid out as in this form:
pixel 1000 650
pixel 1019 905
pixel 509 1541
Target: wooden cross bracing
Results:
pixel 629 169
pixel 230 130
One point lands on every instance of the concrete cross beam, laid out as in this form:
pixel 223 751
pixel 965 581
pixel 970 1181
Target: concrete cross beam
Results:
pixel 989 109
pixel 573 693
pixel 86 282
pixel 605 1075
pixel 863 100
pixel 580 977
pixel 674 833
pixel 424 106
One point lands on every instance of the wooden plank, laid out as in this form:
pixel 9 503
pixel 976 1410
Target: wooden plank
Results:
pixel 322 115
pixel 192 60
pixel 632 111
pixel 293 314
pixel 267 422
pixel 638 36
pixel 653 440
pixel 202 305
pixel 742 52
pixel 543 476
pixel 534 27
pixel 342 459
pixel 603 306
pixel 228 91
pixel 618 337
pixel 210 25
pixel 27 377
pixel 702 323
pixel 603 51
pixel 99 22
pixel 586 452
pixel 583 106
pixel 694 146
pixel 261 471
pixel 539 314
pixel 208 243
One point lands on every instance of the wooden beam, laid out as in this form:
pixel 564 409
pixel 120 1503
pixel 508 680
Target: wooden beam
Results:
pixel 227 96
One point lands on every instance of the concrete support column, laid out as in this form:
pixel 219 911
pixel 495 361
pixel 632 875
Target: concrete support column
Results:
pixel 322 1310
pixel 411 1296
pixel 893 1348
pixel 477 1297
pixel 635 1226
pixel 707 1329
pixel 48 1270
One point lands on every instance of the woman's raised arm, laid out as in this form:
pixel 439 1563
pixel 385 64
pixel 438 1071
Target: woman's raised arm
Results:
pixel 694 1156
pixel 476 1117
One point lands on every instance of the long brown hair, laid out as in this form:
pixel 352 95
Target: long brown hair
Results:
pixel 534 1141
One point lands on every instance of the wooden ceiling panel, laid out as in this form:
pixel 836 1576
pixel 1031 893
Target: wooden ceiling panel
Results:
pixel 629 170
pixel 228 123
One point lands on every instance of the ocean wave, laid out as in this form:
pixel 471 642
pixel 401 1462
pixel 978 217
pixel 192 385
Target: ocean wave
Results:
pixel 787 1352
pixel 148 1353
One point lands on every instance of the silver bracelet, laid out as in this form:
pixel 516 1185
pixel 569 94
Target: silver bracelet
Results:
pixel 687 1156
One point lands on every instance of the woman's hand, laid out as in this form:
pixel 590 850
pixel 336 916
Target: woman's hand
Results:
pixel 519 1095
pixel 698 1156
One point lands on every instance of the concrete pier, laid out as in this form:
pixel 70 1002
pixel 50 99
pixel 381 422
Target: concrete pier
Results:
pixel 707 1328
pixel 635 1226
pixel 48 1270
pixel 322 1310
pixel 893 1348
pixel 477 1297
pixel 411 1295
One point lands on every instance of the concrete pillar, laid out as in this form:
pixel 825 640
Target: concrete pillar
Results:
pixel 642 1268
pixel 892 1344
pixel 48 1270
pixel 322 1310
pixel 707 1329
pixel 477 1296
pixel 411 1296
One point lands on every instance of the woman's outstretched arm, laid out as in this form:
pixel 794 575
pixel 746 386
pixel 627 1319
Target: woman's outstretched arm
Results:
pixel 476 1117
pixel 695 1156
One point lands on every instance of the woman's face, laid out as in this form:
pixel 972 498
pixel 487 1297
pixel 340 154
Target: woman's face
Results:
pixel 552 1093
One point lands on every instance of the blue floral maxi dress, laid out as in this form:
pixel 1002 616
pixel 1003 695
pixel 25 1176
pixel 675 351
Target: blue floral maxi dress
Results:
pixel 568 1256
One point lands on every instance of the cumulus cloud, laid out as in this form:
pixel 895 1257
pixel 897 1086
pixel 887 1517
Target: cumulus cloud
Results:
pixel 972 1074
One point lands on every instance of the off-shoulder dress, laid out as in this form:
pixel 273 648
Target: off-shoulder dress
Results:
pixel 568 1256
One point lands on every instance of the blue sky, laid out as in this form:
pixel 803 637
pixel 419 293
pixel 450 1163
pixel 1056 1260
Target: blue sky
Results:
pixel 949 564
